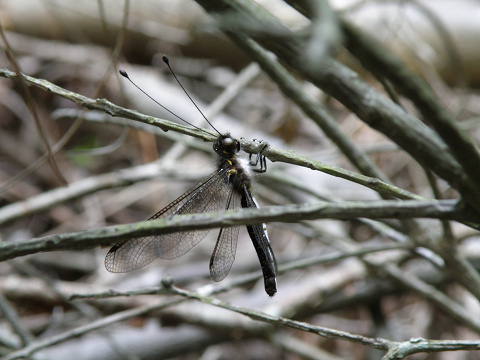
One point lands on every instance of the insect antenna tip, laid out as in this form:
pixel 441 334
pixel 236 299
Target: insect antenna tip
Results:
pixel 123 73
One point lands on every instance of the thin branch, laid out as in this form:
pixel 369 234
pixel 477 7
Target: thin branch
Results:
pixel 11 316
pixel 109 108
pixel 376 59
pixel 328 333
pixel 244 279
pixel 379 112
pixel 413 282
pixel 87 310
pixel 82 330
pixel 249 146
pixel 394 348
pixel 445 209
pixel 124 177
pixel 32 108
pixel 400 350
pixel 292 89
pixel 325 34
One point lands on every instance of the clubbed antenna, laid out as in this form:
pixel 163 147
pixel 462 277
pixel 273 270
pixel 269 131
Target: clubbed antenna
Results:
pixel 125 75
pixel 166 61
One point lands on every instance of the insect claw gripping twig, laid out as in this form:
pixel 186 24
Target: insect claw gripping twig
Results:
pixel 260 158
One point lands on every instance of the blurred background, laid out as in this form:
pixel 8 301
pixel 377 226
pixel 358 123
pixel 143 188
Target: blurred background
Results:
pixel 132 171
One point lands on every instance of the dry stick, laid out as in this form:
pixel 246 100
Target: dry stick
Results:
pixel 445 209
pixel 378 343
pixel 94 325
pixel 49 199
pixel 248 278
pixel 411 281
pixel 414 137
pixel 122 177
pixel 83 308
pixel 375 59
pixel 249 146
pixel 106 106
pixel 28 99
pixel 394 348
pixel 408 347
pixel 78 121
pixel 315 111
pixel 11 316
pixel 343 84
pixel 324 119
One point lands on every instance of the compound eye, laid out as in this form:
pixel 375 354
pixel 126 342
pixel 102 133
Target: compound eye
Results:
pixel 228 141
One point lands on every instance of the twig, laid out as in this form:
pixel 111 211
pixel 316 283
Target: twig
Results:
pixel 12 317
pixel 83 187
pixel 282 321
pixel 375 59
pixel 448 305
pixel 413 282
pixel 247 278
pixel 305 350
pixel 343 84
pixel 399 350
pixel 325 34
pixel 394 349
pixel 249 146
pixel 445 209
pixel 94 325
pixel 109 108
pixel 292 89
pixel 76 125
pixel 32 108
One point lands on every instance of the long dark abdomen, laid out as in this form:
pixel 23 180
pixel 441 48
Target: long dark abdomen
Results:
pixel 261 242
pixel 239 178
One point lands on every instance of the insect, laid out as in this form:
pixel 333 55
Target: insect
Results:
pixel 228 187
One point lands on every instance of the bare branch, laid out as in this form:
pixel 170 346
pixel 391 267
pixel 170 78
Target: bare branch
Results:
pixel 445 209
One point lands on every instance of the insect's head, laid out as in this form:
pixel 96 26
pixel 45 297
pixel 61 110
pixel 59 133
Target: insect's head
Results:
pixel 226 145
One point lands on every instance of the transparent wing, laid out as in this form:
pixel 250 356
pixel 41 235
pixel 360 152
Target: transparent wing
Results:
pixel 209 195
pixel 226 246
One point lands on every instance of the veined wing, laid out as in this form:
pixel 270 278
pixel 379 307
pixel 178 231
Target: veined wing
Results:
pixel 209 195
pixel 224 253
